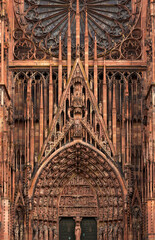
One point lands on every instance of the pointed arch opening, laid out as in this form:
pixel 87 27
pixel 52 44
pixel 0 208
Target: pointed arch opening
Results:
pixel 78 180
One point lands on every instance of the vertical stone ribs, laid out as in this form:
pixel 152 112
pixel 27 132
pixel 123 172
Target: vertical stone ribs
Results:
pixel 77 107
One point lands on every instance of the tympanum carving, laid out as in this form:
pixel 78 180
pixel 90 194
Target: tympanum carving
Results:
pixel 78 181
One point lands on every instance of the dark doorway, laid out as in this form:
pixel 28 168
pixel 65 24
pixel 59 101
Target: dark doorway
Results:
pixel 67 229
pixel 89 229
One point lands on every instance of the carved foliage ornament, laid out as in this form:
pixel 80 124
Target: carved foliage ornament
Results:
pixel 42 21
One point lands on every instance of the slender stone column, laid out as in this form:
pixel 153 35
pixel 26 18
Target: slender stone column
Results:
pixel 50 97
pixel 60 70
pixel 114 117
pixel 123 134
pixel 95 71
pixel 2 41
pixel 86 44
pixel 127 123
pixel 104 95
pixel 41 120
pixel 69 47
pixel 32 139
pixel 28 119
pixel 45 104
pixel 77 24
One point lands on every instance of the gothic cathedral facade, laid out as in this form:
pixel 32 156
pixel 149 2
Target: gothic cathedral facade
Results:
pixel 77 120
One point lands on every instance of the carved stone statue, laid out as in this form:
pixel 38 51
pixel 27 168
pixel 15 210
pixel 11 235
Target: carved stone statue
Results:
pixel 100 108
pixel 21 231
pixel 91 84
pixel 55 109
pixel 137 221
pixel 78 51
pixel 55 233
pixel 65 83
pixel 35 230
pixel 101 233
pixel 77 231
pixel 16 229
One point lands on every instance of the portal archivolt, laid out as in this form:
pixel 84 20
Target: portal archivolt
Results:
pixel 78 181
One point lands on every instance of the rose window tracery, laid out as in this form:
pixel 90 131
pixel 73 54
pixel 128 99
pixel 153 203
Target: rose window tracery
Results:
pixel 42 22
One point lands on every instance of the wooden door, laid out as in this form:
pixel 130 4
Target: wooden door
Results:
pixel 66 229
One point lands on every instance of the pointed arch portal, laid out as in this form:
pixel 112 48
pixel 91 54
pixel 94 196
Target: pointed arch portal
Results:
pixel 78 181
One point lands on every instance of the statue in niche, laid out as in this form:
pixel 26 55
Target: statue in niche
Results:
pixel 54 230
pixel 91 84
pixel 35 230
pixel 21 231
pixel 77 129
pixel 65 83
pixel 101 230
pixel 55 109
pixel 19 225
pixel 100 108
pixel 16 228
pixel 77 98
pixel 136 222
pixel 78 231
pixel 78 51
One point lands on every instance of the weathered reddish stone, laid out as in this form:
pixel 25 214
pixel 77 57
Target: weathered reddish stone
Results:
pixel 77 120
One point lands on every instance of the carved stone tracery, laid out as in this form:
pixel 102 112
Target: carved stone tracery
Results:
pixel 42 22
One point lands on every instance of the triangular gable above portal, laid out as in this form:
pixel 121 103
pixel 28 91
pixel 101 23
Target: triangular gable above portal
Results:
pixel 78 67
pixel 77 112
